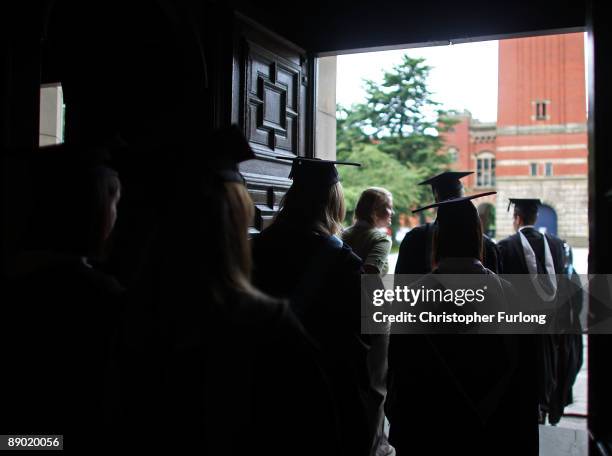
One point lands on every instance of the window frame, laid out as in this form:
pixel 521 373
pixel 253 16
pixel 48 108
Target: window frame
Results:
pixel 548 169
pixel 485 169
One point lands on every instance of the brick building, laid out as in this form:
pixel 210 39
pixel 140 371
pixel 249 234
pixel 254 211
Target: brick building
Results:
pixel 538 147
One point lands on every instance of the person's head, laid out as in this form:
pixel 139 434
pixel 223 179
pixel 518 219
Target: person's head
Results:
pixel 442 193
pixel 315 200
pixel 204 230
pixel 108 194
pixel 75 197
pixel 446 185
pixel 459 232
pixel 524 215
pixel 525 211
pixel 322 210
pixel 375 207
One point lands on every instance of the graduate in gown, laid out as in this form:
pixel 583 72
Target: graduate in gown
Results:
pixel 300 257
pixel 530 252
pixel 213 365
pixel 548 249
pixel 415 250
pixel 459 393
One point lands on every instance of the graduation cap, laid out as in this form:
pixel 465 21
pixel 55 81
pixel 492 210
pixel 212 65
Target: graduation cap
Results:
pixel 315 172
pixel 229 148
pixel 453 201
pixel 447 183
pixel 526 204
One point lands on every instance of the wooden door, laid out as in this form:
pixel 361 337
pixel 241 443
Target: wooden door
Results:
pixel 271 100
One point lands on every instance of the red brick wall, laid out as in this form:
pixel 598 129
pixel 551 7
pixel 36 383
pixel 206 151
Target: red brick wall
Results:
pixel 542 68
pixel 546 67
pixel 535 68
pixel 459 137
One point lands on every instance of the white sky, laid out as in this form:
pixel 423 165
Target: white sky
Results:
pixel 464 76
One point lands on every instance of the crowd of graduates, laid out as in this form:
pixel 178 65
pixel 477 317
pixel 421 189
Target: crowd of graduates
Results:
pixel 227 345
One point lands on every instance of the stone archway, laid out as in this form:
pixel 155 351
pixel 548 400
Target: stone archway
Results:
pixel 547 219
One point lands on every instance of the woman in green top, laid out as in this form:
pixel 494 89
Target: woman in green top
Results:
pixel 373 212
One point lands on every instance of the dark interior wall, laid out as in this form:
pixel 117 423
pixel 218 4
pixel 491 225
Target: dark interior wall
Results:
pixel 132 69
pixel 600 212
pixel 344 25
pixel 144 77
pixel 19 100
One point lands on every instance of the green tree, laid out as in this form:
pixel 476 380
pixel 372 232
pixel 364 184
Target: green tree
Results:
pixel 402 115
pixel 400 119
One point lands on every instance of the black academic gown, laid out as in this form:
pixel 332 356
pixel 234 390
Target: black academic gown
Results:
pixel 570 346
pixel 58 329
pixel 458 393
pixel 547 348
pixel 233 376
pixel 513 258
pixel 416 250
pixel 321 277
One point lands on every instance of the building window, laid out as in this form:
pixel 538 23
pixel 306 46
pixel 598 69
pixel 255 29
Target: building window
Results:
pixel 52 114
pixel 541 110
pixel 548 169
pixel 485 171
pixel 533 169
pixel 453 154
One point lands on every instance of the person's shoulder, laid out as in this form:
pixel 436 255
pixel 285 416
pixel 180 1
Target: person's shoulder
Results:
pixel 334 247
pixel 416 234
pixel 345 252
pixel 267 235
pixel 354 262
pixel 380 243
pixel 348 232
pixel 508 240
pixel 378 235
pixel 419 229
pixel 257 308
pixel 507 288
pixel 488 240
pixel 65 272
pixel 554 239
pixel 102 281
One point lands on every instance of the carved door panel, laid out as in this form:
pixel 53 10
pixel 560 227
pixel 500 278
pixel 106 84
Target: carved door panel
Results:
pixel 272 106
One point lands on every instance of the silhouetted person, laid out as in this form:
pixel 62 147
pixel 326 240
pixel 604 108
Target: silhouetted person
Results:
pixel 63 312
pixel 301 258
pixel 373 213
pixel 415 250
pixel 530 252
pixel 213 365
pixel 455 393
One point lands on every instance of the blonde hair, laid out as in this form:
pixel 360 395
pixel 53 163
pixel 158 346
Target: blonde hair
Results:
pixel 323 210
pixel 333 212
pixel 236 218
pixel 371 203
pixel 210 219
